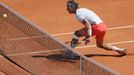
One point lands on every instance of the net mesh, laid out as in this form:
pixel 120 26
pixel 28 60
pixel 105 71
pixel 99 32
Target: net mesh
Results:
pixel 90 67
pixel 37 51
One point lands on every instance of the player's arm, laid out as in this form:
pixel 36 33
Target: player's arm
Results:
pixel 89 30
pixel 88 26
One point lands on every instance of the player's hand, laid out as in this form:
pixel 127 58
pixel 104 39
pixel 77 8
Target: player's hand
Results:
pixel 86 40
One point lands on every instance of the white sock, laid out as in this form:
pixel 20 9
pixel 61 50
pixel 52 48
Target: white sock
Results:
pixel 75 36
pixel 116 48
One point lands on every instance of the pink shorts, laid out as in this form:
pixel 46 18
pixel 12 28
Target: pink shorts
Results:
pixel 98 31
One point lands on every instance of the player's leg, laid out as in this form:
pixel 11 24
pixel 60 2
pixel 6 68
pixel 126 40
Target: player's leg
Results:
pixel 99 42
pixel 76 36
pixel 100 33
pixel 74 42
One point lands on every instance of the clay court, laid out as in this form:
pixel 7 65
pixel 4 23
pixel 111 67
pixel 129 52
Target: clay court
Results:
pixel 52 16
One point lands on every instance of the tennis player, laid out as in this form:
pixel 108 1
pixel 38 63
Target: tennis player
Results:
pixel 93 26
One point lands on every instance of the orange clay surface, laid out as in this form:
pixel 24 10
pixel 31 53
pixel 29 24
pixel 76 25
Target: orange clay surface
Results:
pixel 52 16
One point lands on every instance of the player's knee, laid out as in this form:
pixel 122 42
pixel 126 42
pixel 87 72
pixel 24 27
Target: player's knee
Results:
pixel 105 46
pixel 75 36
pixel 77 33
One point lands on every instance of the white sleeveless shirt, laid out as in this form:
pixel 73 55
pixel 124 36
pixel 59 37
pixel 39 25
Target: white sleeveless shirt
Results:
pixel 82 13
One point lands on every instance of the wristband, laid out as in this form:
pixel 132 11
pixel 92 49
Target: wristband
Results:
pixel 89 32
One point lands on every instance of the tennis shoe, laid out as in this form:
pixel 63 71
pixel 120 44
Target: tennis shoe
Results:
pixel 70 55
pixel 122 52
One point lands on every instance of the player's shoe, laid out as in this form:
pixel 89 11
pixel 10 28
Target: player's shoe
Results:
pixel 122 52
pixel 70 55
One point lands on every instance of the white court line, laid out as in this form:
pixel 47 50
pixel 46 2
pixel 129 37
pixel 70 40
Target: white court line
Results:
pixel 23 38
pixel 68 33
pixel 35 52
pixel 121 27
pixel 122 42
pixel 56 50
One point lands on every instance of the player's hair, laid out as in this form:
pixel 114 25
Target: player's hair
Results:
pixel 72 4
